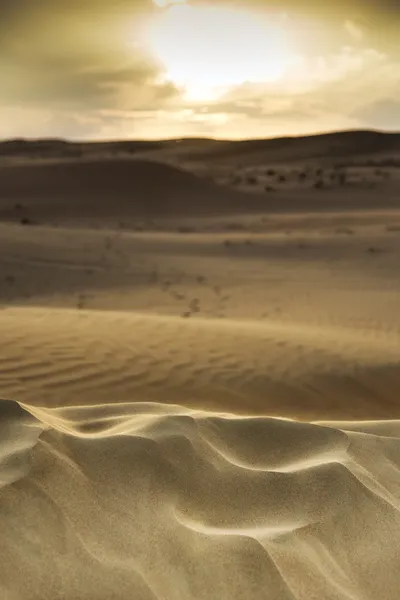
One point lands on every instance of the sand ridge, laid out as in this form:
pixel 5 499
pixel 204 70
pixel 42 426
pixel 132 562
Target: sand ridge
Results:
pixel 125 503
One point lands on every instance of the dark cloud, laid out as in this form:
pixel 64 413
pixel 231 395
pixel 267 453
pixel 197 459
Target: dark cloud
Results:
pixel 383 8
pixel 66 84
pixel 74 54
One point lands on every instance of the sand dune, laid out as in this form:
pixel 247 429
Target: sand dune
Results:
pixel 330 146
pixel 106 187
pixel 274 368
pixel 345 144
pixel 200 385
pixel 150 501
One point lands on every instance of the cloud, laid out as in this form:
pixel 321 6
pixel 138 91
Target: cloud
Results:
pixel 64 55
pixel 353 30
pixel 321 94
pixel 80 68
pixel 382 114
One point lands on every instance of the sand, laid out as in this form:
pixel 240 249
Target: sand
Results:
pixel 201 398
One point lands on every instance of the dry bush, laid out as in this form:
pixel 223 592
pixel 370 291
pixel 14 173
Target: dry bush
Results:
pixel 26 221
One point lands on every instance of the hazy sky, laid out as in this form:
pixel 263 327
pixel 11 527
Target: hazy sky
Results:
pixel 169 68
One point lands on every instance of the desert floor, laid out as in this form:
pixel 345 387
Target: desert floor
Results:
pixel 201 378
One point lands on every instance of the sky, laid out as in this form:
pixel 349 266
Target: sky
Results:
pixel 151 69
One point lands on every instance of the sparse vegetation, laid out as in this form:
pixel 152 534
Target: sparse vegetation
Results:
pixel 26 221
pixel 319 185
pixel 269 188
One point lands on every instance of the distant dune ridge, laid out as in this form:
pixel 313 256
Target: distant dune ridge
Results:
pixel 200 376
pixel 328 145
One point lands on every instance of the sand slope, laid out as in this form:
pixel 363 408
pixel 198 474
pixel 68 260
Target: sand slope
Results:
pixel 274 368
pixel 107 187
pixel 150 501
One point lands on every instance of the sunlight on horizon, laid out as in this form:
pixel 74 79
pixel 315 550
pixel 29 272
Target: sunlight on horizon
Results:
pixel 207 50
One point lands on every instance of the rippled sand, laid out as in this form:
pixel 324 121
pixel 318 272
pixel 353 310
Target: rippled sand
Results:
pixel 156 501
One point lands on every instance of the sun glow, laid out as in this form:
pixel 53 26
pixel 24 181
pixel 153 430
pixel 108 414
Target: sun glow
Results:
pixel 208 50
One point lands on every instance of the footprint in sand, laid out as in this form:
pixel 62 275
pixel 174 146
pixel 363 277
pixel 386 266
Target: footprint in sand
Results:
pixel 194 305
pixel 81 301
pixel 178 295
